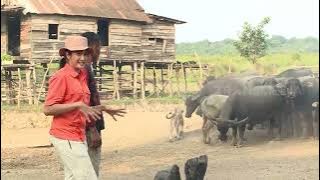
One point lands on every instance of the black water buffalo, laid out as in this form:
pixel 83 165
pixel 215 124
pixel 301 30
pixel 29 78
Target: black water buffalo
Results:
pixel 258 104
pixel 295 73
pixel 195 168
pixel 315 119
pixel 169 174
pixel 218 86
pixel 209 110
pixel 304 92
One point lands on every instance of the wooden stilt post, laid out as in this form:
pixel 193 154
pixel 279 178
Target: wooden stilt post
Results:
pixel 135 67
pixel 19 89
pixel 155 89
pixel 8 91
pixel 29 89
pixel 34 86
pixel 44 80
pixel 178 79
pixel 200 70
pixel 170 67
pixel 185 78
pixel 142 80
pixel 162 80
pixel 115 81
pixel 10 86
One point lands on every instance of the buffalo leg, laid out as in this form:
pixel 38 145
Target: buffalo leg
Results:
pixel 278 136
pixel 304 125
pixel 288 125
pixel 234 136
pixel 270 129
pixel 315 124
pixel 296 125
pixel 240 133
pixel 284 124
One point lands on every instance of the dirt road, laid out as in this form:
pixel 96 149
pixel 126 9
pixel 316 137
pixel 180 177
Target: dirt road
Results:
pixel 136 147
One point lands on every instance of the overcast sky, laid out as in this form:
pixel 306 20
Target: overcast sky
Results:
pixel 219 19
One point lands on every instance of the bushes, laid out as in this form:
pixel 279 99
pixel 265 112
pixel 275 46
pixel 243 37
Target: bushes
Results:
pixel 267 64
pixel 6 57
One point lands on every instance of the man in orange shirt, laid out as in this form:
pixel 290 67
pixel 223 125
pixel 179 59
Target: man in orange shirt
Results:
pixel 68 101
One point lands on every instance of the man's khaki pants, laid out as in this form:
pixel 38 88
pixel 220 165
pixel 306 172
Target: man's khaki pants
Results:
pixel 75 159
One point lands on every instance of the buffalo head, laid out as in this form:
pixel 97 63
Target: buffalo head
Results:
pixel 192 102
pixel 294 88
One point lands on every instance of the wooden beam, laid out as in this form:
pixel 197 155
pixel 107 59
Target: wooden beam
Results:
pixel 185 78
pixel 142 75
pixel 170 79
pixel 29 89
pixel 19 90
pixel 135 67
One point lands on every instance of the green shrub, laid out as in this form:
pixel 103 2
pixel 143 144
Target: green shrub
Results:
pixel 6 57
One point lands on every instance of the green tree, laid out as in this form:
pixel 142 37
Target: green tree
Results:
pixel 252 43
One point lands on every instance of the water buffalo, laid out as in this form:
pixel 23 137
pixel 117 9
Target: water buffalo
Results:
pixel 218 86
pixel 295 73
pixel 307 92
pixel 169 174
pixel 257 104
pixel 209 110
pixel 195 168
pixel 315 119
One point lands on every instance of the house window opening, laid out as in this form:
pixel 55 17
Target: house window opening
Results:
pixel 53 31
pixel 103 31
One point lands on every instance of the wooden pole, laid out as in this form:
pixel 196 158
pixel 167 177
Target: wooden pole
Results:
pixel 162 80
pixel 7 78
pixel 185 78
pixel 135 78
pixel 29 89
pixel 200 70
pixel 155 89
pixel 43 81
pixel 178 79
pixel 142 80
pixel 34 84
pixel 10 86
pixel 170 67
pixel 115 81
pixel 19 90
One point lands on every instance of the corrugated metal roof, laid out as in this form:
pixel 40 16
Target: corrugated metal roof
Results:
pixel 162 18
pixel 113 9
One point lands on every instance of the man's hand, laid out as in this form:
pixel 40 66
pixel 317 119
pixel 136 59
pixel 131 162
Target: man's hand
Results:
pixel 112 112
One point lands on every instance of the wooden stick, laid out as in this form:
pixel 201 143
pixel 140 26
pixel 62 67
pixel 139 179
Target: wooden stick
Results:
pixel 185 78
pixel 43 81
pixel 142 80
pixel 178 79
pixel 170 79
pixel 19 90
pixel 135 66
pixel 115 81
pixel 34 82
pixel 155 90
pixel 200 70
pixel 28 80
pixel 162 80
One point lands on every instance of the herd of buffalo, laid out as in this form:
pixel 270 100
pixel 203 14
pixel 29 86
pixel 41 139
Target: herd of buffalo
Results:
pixel 287 102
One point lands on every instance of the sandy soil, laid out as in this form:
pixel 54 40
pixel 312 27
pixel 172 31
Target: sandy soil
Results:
pixel 136 147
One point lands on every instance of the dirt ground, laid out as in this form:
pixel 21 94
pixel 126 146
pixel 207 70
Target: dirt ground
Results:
pixel 137 146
